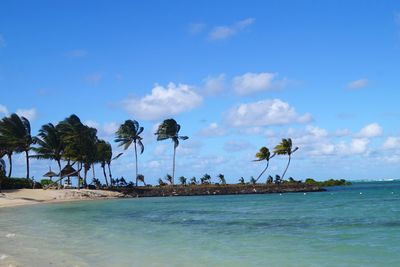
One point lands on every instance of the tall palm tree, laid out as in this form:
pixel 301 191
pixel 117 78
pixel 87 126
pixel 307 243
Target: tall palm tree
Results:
pixel 169 129
pixel 78 140
pixel 15 132
pixel 285 147
pixel 263 154
pixel 129 133
pixel 104 153
pixel 50 145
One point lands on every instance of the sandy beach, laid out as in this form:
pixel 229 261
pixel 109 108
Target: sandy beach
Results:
pixel 17 197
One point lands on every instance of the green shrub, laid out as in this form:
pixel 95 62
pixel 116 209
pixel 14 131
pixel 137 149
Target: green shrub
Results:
pixel 45 182
pixel 18 183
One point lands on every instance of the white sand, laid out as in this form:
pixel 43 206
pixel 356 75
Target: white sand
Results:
pixel 17 197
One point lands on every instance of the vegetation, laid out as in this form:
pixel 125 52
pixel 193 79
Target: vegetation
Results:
pixel 285 148
pixel 129 133
pixel 263 154
pixel 169 129
pixel 330 182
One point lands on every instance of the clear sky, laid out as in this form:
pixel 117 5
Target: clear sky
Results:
pixel 237 75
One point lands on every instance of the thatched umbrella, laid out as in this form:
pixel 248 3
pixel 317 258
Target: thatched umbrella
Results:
pixel 50 174
pixel 68 171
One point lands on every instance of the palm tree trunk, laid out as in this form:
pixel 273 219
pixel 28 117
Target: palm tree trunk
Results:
pixel 136 163
pixel 94 174
pixel 59 167
pixel 262 171
pixel 104 172
pixel 9 163
pixel 173 166
pixel 79 176
pixel 109 173
pixel 85 171
pixel 287 166
pixel 27 164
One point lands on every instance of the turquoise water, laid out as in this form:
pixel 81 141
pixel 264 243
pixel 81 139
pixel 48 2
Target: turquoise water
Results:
pixel 340 227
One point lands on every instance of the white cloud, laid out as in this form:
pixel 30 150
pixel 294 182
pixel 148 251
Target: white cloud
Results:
pixel 391 143
pixel 214 85
pixel 263 113
pixel 213 130
pixel 105 130
pixel 30 114
pixel 2 41
pixel 3 110
pixel 109 128
pixel 91 123
pixel 163 102
pixel 356 146
pixel 342 132
pixel 358 84
pixel 253 82
pixel 371 130
pixel 225 32
pixel 77 53
pixel 93 78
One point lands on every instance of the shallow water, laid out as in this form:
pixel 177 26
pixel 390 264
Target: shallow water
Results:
pixel 340 227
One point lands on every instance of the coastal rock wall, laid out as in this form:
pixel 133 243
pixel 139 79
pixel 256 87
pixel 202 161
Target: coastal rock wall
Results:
pixel 201 190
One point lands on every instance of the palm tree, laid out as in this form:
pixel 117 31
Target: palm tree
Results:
pixel 7 149
pixel 252 180
pixel 221 178
pixel 270 179
pixel 206 179
pixel 241 180
pixel 169 179
pixel 129 133
pixel 50 145
pixel 193 180
pixel 15 132
pixel 285 148
pixel 103 155
pixel 2 170
pixel 263 154
pixel 170 129
pixel 182 180
pixel 140 178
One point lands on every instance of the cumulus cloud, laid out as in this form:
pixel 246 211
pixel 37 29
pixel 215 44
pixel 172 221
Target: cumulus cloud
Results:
pixel 253 82
pixel 391 143
pixel 214 84
pixel 213 130
pixel 225 32
pixel 163 102
pixel 30 113
pixel 356 146
pixel 106 129
pixel 3 110
pixel 265 112
pixel 77 53
pixel 371 130
pixel 358 84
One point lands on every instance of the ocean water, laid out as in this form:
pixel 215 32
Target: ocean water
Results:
pixel 357 225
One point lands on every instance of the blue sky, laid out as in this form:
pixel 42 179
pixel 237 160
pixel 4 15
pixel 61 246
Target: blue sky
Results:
pixel 237 75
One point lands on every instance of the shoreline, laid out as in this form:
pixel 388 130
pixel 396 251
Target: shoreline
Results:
pixel 21 197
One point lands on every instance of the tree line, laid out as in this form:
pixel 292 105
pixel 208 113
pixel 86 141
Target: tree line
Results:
pixel 70 142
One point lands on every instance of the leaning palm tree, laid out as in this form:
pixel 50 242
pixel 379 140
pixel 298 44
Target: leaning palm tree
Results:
pixel 129 133
pixel 285 148
pixel 140 178
pixel 169 129
pixel 15 132
pixel 169 179
pixel 50 145
pixel 103 153
pixel 221 178
pixel 263 154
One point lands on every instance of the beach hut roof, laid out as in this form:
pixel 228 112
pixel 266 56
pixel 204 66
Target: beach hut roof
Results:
pixel 50 174
pixel 68 170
